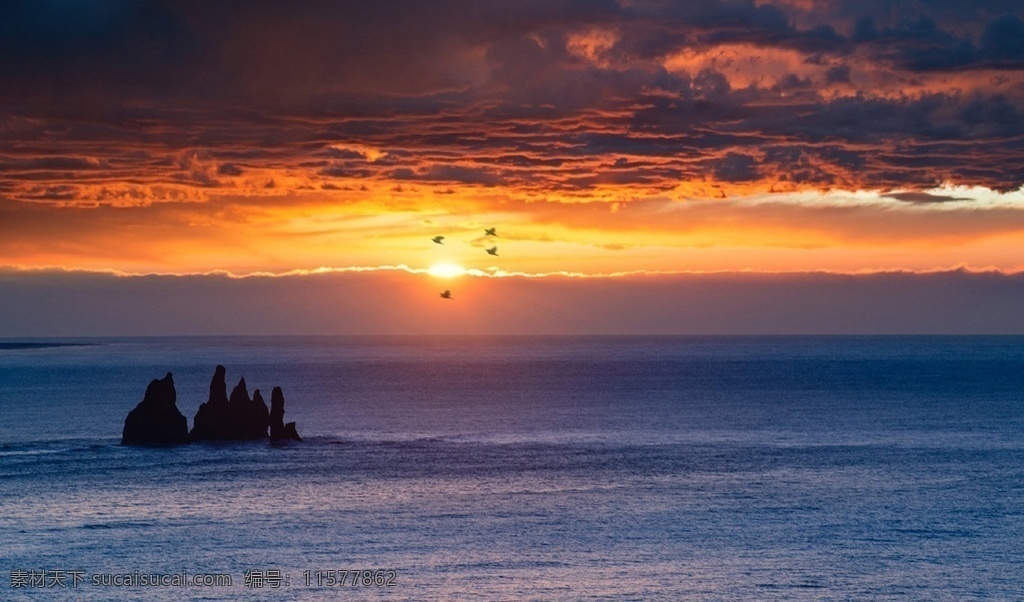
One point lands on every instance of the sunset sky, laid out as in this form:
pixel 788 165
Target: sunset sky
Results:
pixel 616 140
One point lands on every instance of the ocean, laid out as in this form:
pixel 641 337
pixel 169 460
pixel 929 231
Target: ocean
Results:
pixel 524 468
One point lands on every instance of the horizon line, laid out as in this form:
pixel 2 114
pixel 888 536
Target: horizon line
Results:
pixel 497 273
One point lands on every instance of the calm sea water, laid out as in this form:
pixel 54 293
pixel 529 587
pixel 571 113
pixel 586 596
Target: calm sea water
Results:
pixel 530 469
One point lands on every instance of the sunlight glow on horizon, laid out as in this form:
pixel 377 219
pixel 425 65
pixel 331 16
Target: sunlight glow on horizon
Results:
pixel 446 270
pixel 844 232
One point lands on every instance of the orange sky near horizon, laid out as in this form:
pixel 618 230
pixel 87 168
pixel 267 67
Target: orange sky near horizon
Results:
pixel 780 232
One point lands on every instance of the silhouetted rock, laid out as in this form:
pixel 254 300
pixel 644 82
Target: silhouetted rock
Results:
pixel 156 420
pixel 291 433
pixel 213 419
pixel 254 418
pixel 218 386
pixel 240 394
pixel 278 429
pixel 276 414
pixel 230 418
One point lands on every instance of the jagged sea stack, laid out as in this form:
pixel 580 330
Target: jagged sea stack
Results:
pixel 212 419
pixel 156 420
pixel 251 417
pixel 234 418
pixel 278 429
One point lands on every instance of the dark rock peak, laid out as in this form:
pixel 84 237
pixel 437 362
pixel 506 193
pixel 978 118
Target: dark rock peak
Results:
pixel 240 394
pixel 156 419
pixel 276 407
pixel 291 433
pixel 255 418
pixel 218 386
pixel 278 429
pixel 236 418
pixel 161 393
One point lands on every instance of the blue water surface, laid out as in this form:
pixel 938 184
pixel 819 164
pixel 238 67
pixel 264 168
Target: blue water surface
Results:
pixel 519 468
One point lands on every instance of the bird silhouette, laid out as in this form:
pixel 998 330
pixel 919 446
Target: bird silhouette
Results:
pixel 490 232
pixel 438 239
pixel 447 294
pixel 492 251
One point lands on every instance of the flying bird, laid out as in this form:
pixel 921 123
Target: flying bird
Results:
pixel 492 251
pixel 490 232
pixel 447 294
pixel 438 239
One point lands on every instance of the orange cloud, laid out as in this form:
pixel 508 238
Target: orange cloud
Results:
pixel 341 229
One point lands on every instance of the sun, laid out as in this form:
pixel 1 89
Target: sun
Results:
pixel 446 270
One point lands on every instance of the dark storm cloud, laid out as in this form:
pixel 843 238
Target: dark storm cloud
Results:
pixel 839 74
pixel 1003 40
pixel 923 197
pixel 229 169
pixel 922 45
pixel 735 167
pixel 345 172
pixel 318 50
pixel 536 95
pixel 449 173
pixel 24 164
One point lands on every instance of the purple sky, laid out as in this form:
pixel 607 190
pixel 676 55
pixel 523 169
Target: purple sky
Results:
pixel 84 304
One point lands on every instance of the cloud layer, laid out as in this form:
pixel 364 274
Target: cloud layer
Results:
pixel 304 119
pixel 106 102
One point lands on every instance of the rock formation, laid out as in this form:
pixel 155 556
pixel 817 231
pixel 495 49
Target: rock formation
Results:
pixel 156 420
pixel 230 418
pixel 251 415
pixel 278 429
pixel 213 420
